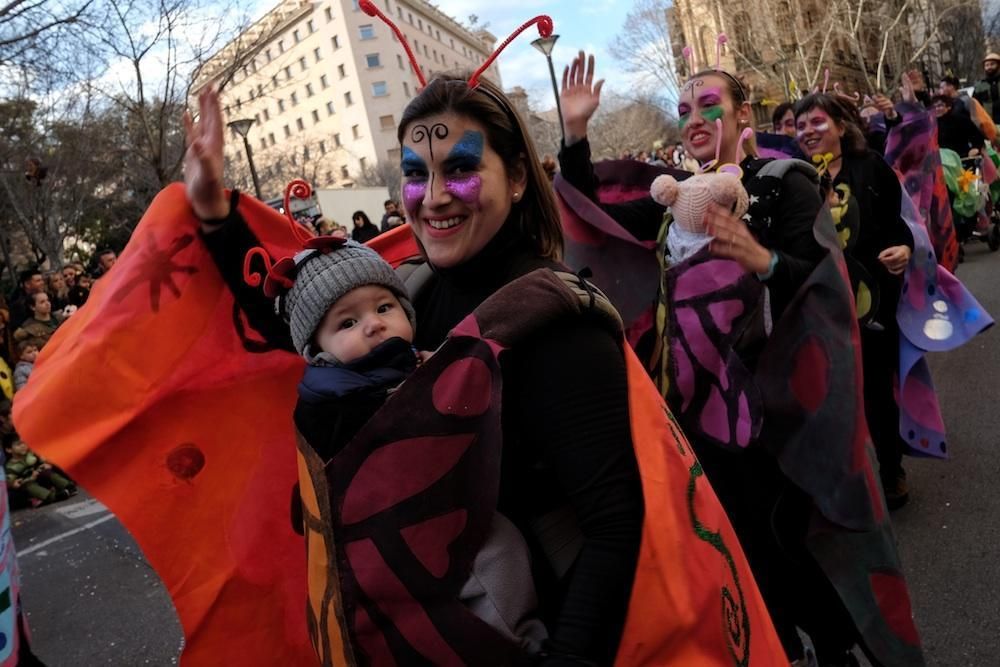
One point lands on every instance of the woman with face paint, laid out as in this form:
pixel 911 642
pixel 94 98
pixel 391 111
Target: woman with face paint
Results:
pixel 776 242
pixel 483 213
pixel 860 178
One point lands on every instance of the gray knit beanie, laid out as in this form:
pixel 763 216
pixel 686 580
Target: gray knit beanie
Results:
pixel 322 279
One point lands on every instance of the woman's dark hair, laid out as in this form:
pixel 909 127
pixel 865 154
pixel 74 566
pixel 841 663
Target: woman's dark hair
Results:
pixel 364 218
pixel 853 142
pixel 536 214
pixel 779 113
pixel 943 99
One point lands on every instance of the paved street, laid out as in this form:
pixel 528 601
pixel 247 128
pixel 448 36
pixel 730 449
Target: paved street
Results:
pixel 92 600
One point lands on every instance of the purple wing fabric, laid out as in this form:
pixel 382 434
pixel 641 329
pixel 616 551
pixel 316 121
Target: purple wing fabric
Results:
pixel 936 313
pixel 777 146
pixel 625 269
pixel 707 307
pixel 709 303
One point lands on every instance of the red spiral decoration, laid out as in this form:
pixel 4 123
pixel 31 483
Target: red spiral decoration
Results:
pixel 299 189
pixel 545 28
pixel 251 277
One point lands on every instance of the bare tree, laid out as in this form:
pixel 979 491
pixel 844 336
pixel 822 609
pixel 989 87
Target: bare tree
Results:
pixel 30 27
pixel 644 47
pixel 627 125
pixel 382 174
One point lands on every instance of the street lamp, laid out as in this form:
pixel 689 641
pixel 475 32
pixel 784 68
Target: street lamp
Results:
pixel 545 45
pixel 242 128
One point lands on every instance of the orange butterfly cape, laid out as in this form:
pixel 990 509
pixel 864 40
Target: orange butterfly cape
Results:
pixel 185 433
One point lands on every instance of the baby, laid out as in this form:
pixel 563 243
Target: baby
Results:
pixel 352 321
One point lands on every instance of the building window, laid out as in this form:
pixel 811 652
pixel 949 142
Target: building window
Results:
pixel 256 118
pixel 328 13
pixel 336 42
pixel 406 90
pixel 452 40
pixel 302 63
pixel 435 55
pixel 362 163
pixel 299 124
pixel 336 140
pixel 329 177
pixel 260 90
pixel 274 81
pixel 238 104
pixel 347 99
pixel 438 33
pixel 323 83
pixel 315 115
pixel 373 60
pixel 288 132
pixel 288 73
pixel 317 54
pixel 341 71
pixel 367 31
pixel 420 25
pixel 322 148
pixel 426 55
pixel 281 106
pixel 380 89
pixel 356 131
pixel 267 55
pixel 263 142
pixel 270 138
pixel 387 122
pixel 309 90
pixel 281 46
pixel 295 99
pixel 267 115
pixel 344 173
pixel 296 37
pixel 399 61
pixel 305 154
pixel 310 27
pixel 329 108
pixel 399 12
pixel 393 155
pixel 409 17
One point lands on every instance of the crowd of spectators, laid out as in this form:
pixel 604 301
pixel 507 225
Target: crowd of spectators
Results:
pixel 29 316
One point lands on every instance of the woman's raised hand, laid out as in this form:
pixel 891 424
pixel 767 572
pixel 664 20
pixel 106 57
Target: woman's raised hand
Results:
pixel 733 240
pixel 203 162
pixel 580 97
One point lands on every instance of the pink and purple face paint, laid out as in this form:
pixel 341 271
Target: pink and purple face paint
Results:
pixel 709 104
pixel 460 167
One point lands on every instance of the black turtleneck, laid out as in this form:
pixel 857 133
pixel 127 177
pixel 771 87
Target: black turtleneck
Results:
pixel 567 437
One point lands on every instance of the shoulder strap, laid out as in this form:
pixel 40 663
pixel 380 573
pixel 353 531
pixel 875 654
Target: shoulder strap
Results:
pixel 415 276
pixel 779 168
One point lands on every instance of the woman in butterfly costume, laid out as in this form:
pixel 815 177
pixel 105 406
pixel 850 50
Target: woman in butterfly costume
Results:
pixel 531 405
pixel 752 342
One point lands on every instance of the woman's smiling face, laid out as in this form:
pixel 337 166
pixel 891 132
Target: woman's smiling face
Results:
pixel 817 133
pixel 456 190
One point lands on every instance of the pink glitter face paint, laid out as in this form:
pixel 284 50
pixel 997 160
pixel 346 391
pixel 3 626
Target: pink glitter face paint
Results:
pixel 413 194
pixel 466 188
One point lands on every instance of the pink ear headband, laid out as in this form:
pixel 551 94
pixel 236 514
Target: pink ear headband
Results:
pixel 720 42
pixel 544 23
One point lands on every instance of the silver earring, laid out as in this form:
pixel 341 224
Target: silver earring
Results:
pixel 517 195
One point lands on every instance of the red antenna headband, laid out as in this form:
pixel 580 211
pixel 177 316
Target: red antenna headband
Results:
pixel 545 28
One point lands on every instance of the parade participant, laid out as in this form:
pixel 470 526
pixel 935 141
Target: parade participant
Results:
pixel 770 484
pixel 783 119
pixel 986 90
pixel 882 245
pixel 956 131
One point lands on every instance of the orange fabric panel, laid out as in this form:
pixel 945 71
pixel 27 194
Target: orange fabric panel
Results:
pixel 693 585
pixel 134 395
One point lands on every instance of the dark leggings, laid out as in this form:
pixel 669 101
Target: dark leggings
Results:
pixel 771 516
pixel 880 359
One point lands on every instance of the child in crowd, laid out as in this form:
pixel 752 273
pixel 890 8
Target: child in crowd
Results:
pixel 352 321
pixel 27 353
pixel 31 477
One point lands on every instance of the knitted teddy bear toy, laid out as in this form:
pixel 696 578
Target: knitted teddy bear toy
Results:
pixel 688 201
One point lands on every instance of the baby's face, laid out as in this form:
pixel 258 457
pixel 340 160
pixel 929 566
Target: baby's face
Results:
pixel 360 321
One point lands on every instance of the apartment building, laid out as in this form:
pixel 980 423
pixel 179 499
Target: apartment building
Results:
pixel 326 84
